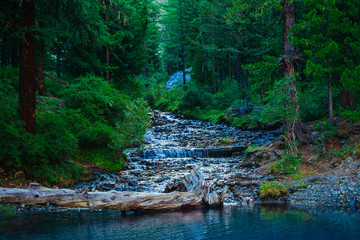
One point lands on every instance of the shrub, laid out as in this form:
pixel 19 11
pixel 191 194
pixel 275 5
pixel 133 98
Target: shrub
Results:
pixel 95 97
pixel 130 131
pixel 353 116
pixel 270 190
pixel 288 164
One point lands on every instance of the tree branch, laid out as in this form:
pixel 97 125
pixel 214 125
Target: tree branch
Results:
pixel 54 78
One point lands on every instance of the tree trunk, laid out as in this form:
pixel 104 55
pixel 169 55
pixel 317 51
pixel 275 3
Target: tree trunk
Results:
pixel 347 99
pixel 229 56
pixel 198 194
pixel 124 201
pixel 58 62
pixel 294 127
pixel 40 84
pixel 15 53
pixel 27 89
pixel 182 43
pixel 289 63
pixel 146 70
pixel 238 68
pixel 4 50
pixel 331 113
pixel 244 84
pixel 205 69
pixel 213 70
pixel 107 48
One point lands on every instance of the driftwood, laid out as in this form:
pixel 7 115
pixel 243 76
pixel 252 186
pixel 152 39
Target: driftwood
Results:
pixel 124 201
pixel 198 194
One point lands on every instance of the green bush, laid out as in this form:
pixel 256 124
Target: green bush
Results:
pixel 288 164
pixel 130 131
pixel 352 115
pixel 270 190
pixel 95 97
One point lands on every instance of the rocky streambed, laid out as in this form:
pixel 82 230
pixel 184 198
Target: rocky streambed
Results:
pixel 174 146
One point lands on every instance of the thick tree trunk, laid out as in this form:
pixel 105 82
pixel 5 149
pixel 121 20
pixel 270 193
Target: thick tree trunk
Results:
pixel 40 84
pixel 124 201
pixel 27 89
pixel 294 127
pixel 331 113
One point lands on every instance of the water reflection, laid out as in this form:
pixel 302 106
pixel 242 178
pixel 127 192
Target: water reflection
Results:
pixel 229 223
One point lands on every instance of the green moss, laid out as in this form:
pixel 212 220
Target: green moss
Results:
pixel 224 141
pixel 288 164
pixel 270 190
pixel 8 210
pixel 101 157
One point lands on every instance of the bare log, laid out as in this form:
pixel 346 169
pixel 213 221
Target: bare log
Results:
pixel 124 201
pixel 199 194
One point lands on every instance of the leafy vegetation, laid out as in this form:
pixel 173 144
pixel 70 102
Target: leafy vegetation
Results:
pixel 272 190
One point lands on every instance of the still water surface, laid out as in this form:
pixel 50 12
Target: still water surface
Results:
pixel 230 223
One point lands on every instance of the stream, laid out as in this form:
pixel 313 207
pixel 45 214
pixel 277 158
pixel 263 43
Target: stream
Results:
pixel 174 146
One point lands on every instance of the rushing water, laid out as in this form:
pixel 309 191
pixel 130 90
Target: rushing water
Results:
pixel 230 223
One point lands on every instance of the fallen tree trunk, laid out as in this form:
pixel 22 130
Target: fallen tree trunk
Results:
pixel 197 195
pixel 124 201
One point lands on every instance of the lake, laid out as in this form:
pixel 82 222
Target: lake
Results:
pixel 232 222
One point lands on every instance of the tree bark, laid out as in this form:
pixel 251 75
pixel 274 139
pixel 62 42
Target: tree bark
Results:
pixel 182 43
pixel 347 99
pixel 289 63
pixel 205 69
pixel 27 89
pixel 15 53
pixel 58 62
pixel 4 50
pixel 107 48
pixel 331 113
pixel 238 68
pixel 229 56
pixel 244 84
pixel 124 201
pixel 146 70
pixel 294 127
pixel 198 194
pixel 40 83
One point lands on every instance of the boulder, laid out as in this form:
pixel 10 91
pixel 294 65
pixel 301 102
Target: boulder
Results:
pixel 254 158
pixel 177 78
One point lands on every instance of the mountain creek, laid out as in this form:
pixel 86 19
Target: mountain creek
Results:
pixel 174 146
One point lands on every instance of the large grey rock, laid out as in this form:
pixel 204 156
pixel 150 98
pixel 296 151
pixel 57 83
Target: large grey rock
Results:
pixel 177 78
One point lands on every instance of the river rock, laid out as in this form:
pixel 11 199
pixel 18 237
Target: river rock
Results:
pixel 254 158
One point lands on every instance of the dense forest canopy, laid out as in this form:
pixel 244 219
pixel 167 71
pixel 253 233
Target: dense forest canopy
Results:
pixel 78 76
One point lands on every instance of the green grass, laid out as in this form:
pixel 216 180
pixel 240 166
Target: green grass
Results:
pixel 271 190
pixel 101 157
